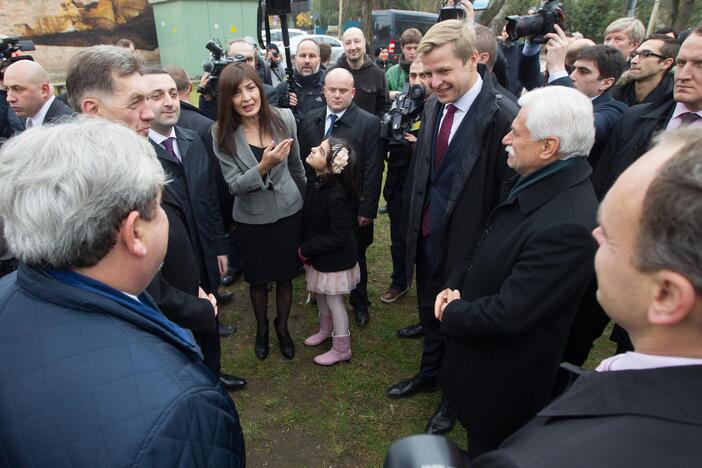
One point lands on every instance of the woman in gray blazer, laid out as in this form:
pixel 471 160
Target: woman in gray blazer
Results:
pixel 257 148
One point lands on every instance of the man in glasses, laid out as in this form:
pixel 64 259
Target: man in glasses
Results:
pixel 649 77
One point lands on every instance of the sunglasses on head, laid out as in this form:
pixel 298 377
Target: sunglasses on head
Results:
pixel 645 53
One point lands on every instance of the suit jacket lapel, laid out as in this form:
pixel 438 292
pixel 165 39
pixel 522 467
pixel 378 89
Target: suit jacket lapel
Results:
pixel 243 152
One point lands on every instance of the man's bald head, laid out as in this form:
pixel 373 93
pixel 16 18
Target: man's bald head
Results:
pixel 354 47
pixel 243 48
pixel 28 87
pixel 339 89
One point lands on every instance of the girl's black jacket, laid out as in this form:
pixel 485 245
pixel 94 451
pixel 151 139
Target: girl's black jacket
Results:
pixel 328 237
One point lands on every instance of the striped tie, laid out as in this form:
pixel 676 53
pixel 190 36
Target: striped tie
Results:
pixel 442 142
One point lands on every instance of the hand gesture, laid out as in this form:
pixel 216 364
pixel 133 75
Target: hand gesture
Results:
pixel 443 299
pixel 467 6
pixel 556 49
pixel 274 155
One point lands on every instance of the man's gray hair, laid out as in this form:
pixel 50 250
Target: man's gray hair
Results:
pixel 65 190
pixel 564 113
pixel 671 222
pixel 91 70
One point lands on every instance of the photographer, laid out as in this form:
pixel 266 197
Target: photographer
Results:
pixel 239 51
pixel 399 158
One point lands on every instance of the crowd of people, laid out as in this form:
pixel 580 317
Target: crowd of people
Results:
pixel 528 206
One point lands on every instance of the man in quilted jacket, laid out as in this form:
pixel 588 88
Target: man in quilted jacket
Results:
pixel 92 373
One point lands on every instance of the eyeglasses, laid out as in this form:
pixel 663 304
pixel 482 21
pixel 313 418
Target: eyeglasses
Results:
pixel 274 53
pixel 645 53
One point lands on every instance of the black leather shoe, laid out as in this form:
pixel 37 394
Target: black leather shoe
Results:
pixel 362 317
pixel 232 382
pixel 228 279
pixel 224 297
pixel 261 347
pixel 411 332
pixel 410 387
pixel 287 347
pixel 443 419
pixel 226 330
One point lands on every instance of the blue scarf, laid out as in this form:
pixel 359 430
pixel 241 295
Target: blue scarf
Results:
pixel 142 307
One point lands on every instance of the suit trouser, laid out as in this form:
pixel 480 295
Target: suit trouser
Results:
pixel 432 345
pixel 359 296
pixel 211 349
pixel 398 247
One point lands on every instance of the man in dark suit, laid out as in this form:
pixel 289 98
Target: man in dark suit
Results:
pixel 193 119
pixel 459 167
pixel 194 202
pixel 595 71
pixel 344 119
pixel 508 307
pixel 650 275
pixel 30 94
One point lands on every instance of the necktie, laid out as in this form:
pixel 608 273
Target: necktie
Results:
pixel 442 142
pixel 168 144
pixel 688 118
pixel 332 119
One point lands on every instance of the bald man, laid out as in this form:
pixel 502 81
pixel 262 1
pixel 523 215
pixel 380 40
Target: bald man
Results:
pixel 371 86
pixel 342 118
pixel 30 94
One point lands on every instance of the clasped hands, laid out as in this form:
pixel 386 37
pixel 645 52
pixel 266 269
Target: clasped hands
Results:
pixel 443 299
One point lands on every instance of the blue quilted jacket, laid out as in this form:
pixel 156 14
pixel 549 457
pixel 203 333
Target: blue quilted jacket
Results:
pixel 86 382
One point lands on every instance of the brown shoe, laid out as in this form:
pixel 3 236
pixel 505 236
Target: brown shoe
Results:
pixel 392 294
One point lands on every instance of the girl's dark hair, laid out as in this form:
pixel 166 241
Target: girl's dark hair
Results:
pixel 228 120
pixel 347 178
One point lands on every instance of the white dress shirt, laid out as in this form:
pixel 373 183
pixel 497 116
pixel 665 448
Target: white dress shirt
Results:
pixel 326 118
pixel 462 106
pixel 37 119
pixel 159 139
pixel 636 361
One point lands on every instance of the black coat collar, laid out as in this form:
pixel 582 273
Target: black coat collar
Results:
pixel 548 188
pixel 670 393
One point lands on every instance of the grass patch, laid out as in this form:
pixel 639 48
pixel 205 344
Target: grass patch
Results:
pixel 297 414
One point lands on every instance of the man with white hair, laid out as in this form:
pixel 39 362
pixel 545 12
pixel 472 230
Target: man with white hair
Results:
pixel 507 309
pixel 30 94
pixel 625 34
pixel 649 268
pixel 96 374
pixel 371 85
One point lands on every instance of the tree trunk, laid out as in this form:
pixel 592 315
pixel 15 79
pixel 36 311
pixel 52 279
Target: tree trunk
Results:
pixel 682 10
pixel 493 10
pixel 367 22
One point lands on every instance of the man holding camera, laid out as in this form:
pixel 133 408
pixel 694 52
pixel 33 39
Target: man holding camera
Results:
pixel 309 79
pixel 458 172
pixel 398 164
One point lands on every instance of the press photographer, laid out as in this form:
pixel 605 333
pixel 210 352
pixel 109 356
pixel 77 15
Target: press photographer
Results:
pixel 400 127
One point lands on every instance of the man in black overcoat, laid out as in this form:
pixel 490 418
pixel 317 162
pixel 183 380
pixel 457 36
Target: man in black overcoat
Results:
pixel 509 305
pixel 639 409
pixel 344 119
pixel 449 199
pixel 192 199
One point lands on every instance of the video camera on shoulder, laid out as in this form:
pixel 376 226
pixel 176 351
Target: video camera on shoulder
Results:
pixel 403 112
pixel 542 22
pixel 9 47
pixel 215 64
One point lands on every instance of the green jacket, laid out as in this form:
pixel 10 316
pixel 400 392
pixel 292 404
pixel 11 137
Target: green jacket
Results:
pixel 396 78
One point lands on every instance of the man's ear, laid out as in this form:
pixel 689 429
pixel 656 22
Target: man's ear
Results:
pixel 667 63
pixel 483 57
pixel 131 234
pixel 673 299
pixel 353 92
pixel 90 106
pixel 46 90
pixel 551 145
pixel 606 84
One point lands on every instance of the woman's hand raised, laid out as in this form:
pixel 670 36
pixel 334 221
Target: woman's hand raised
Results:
pixel 274 155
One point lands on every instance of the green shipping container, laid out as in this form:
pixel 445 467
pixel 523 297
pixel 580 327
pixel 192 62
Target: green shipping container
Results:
pixel 183 27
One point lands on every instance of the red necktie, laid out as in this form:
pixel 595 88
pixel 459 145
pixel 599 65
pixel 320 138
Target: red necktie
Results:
pixel 442 142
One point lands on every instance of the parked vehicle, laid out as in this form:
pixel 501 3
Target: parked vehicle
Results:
pixel 277 34
pixel 388 26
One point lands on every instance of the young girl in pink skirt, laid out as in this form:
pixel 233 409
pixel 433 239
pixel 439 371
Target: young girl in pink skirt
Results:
pixel 328 247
